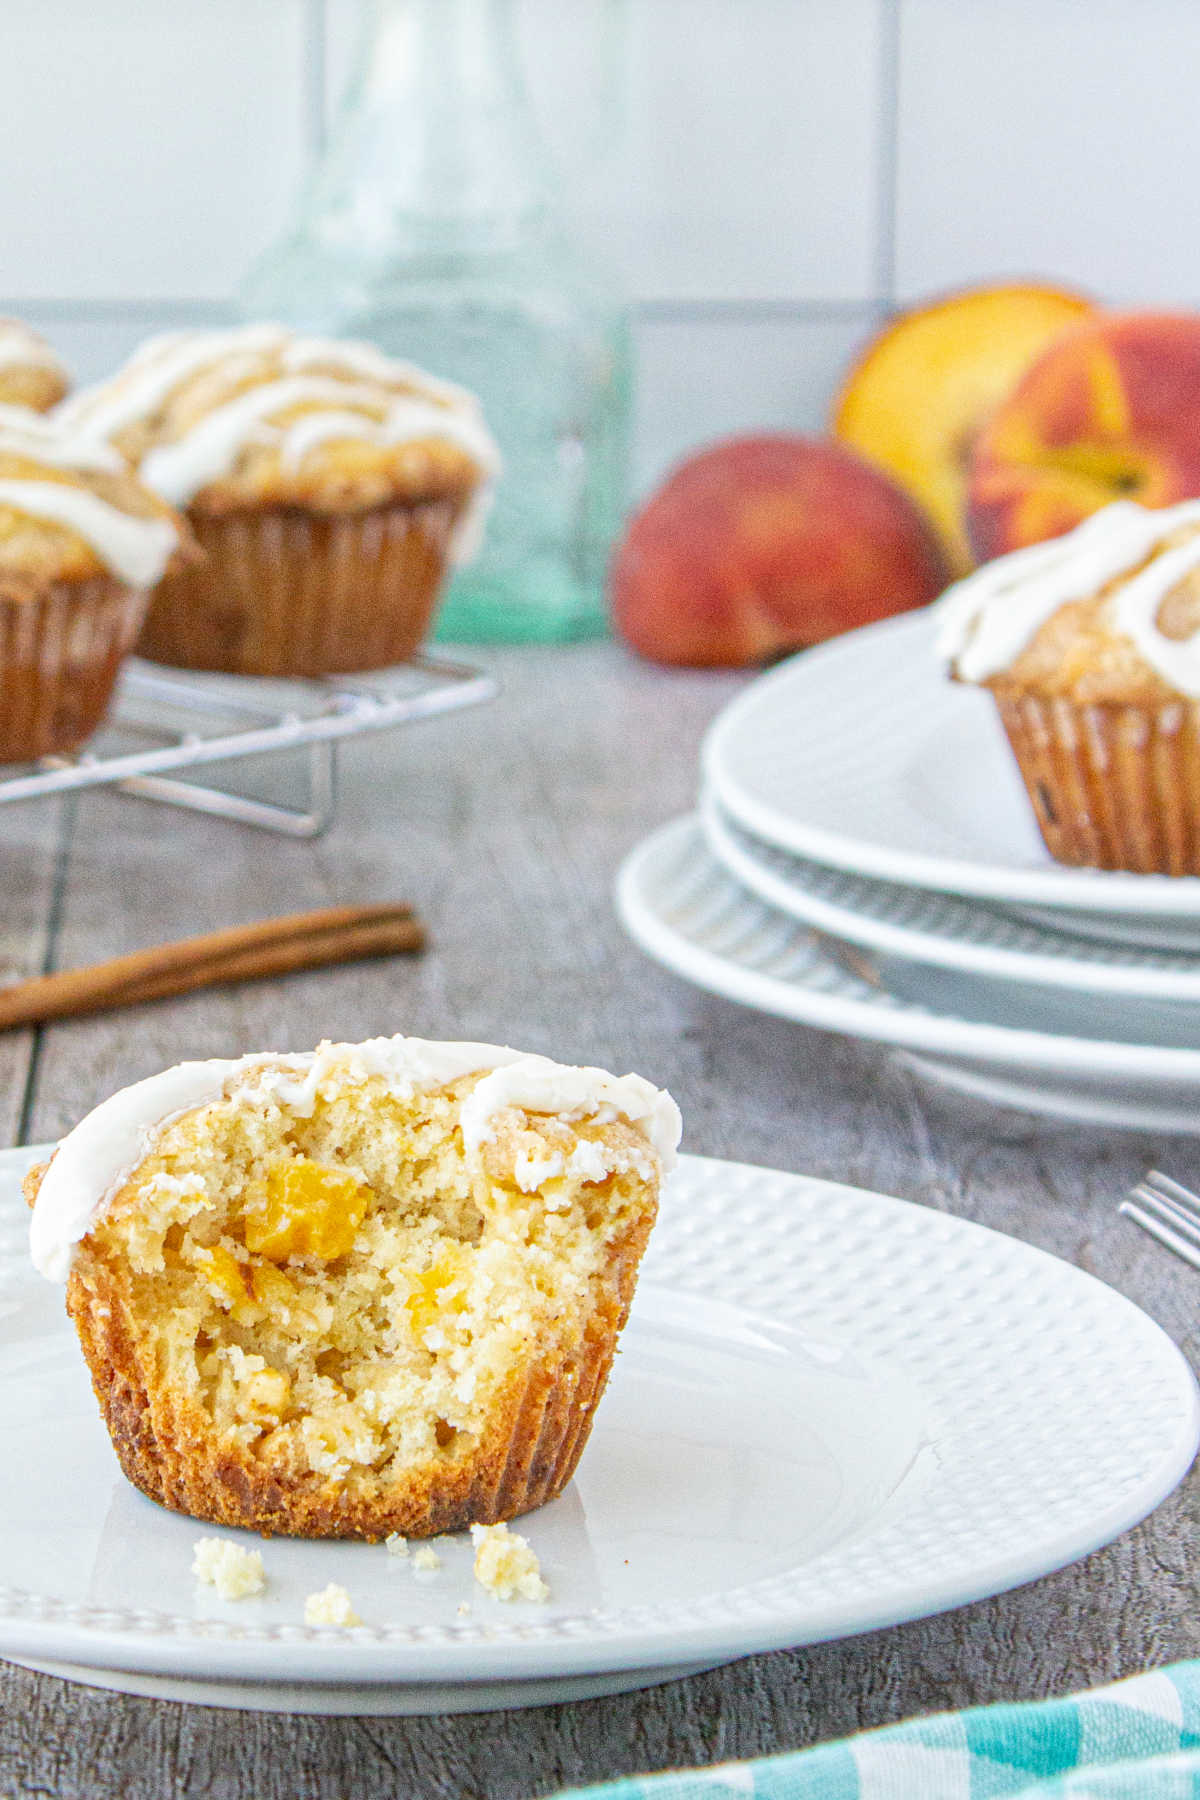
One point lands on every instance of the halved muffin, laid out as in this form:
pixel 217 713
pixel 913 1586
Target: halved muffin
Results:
pixel 329 485
pixel 372 1289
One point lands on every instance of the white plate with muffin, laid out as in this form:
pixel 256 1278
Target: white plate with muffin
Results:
pixel 366 1298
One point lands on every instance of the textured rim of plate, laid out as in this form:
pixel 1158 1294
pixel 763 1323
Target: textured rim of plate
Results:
pixel 1019 1359
pixel 386 1700
pixel 762 958
pixel 927 927
pixel 792 687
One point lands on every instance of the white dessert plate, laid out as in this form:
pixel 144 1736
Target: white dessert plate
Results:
pixel 945 931
pixel 832 1411
pixel 686 910
pixel 861 755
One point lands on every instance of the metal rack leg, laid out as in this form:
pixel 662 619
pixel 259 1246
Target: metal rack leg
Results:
pixel 289 821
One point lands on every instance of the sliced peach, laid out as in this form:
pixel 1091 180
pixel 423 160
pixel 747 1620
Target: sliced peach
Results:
pixel 921 391
pixel 1111 411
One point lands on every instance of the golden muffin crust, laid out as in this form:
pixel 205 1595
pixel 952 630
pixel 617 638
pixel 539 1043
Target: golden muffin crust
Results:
pixel 31 374
pixel 260 417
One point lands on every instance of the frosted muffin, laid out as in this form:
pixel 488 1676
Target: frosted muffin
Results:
pixel 376 1288
pixel 1090 648
pixel 30 372
pixel 329 486
pixel 81 544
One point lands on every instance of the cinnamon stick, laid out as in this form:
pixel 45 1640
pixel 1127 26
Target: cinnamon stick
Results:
pixel 268 947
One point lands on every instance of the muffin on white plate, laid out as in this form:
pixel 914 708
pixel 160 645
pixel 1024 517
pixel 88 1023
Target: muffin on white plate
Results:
pixel 1090 647
pixel 374 1288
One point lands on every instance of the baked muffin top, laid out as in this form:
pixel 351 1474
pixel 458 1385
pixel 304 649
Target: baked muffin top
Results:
pixel 30 372
pixel 1108 614
pixel 70 510
pixel 259 416
pixel 95 1159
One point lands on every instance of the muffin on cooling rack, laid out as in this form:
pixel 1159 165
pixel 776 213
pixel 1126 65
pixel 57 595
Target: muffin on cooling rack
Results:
pixel 328 484
pixel 81 544
pixel 369 1289
pixel 31 374
pixel 1090 648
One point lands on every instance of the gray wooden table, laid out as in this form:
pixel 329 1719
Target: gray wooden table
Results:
pixel 505 826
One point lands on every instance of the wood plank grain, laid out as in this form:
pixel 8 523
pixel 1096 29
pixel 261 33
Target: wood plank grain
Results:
pixel 504 828
pixel 34 841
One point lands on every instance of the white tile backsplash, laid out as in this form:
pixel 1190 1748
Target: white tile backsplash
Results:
pixel 704 379
pixel 1055 137
pixel 147 150
pixel 771 199
pixel 715 149
pixel 757 168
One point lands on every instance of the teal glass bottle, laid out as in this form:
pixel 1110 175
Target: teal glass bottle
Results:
pixel 433 228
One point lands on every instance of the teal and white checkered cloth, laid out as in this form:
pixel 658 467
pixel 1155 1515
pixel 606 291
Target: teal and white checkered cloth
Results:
pixel 1136 1740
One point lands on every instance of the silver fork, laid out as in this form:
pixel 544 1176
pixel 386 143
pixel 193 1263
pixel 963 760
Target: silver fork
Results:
pixel 1169 1212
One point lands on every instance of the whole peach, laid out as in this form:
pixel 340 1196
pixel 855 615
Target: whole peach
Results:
pixel 765 544
pixel 1110 411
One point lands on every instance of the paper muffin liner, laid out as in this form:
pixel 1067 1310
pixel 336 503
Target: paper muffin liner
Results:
pixel 526 1455
pixel 59 657
pixel 1113 787
pixel 290 593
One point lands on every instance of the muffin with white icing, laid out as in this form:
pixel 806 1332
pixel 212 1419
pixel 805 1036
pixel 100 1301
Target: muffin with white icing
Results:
pixel 82 542
pixel 371 1289
pixel 329 485
pixel 1090 647
pixel 31 373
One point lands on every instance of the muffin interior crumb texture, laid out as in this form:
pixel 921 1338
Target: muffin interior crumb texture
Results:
pixel 506 1565
pixel 236 1574
pixel 331 1606
pixel 339 1302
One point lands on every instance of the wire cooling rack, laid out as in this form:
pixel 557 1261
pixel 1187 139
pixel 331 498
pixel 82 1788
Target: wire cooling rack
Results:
pixel 162 723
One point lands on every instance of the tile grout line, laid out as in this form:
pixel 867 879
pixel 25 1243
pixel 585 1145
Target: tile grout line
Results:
pixel 887 154
pixel 94 311
pixel 700 311
pixel 54 917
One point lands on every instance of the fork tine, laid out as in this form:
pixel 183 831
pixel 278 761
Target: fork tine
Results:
pixel 1170 1239
pixel 1180 1218
pixel 1170 1189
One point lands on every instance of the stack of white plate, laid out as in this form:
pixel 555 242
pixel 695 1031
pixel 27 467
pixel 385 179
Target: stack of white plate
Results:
pixel 864 858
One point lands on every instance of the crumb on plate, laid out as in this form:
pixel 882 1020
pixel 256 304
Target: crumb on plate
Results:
pixel 395 1544
pixel 236 1574
pixel 330 1607
pixel 426 1558
pixel 505 1565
